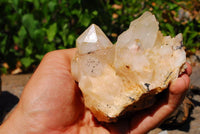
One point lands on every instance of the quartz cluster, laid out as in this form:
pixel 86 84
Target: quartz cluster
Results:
pixel 116 79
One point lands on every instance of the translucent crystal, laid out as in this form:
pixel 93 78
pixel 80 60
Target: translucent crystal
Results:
pixel 144 29
pixel 92 39
pixel 115 79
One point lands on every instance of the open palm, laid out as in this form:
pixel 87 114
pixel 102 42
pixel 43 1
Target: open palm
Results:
pixel 51 103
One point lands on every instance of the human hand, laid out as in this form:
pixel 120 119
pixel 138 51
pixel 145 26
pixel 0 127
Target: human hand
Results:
pixel 51 103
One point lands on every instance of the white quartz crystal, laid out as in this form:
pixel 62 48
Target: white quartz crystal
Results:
pixel 125 77
pixel 92 39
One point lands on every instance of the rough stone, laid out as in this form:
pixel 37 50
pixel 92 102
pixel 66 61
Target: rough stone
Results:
pixel 116 79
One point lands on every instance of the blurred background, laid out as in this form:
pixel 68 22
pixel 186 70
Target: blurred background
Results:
pixel 31 28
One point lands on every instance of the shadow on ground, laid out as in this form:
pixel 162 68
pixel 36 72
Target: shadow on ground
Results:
pixel 7 102
pixel 181 127
pixel 186 126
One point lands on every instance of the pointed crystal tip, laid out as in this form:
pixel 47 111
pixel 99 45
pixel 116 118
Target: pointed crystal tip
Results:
pixel 144 28
pixel 92 39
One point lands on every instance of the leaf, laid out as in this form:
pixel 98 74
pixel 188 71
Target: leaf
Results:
pixel 171 29
pixel 43 1
pixel 71 39
pixel 76 12
pixel 14 3
pixel 52 5
pixel 85 19
pixel 39 57
pixel 22 33
pixel 16 39
pixel 27 61
pixel 193 35
pixel 3 45
pixel 95 13
pixel 190 40
pixel 185 32
pixel 29 23
pixel 63 34
pixel 61 47
pixel 51 32
pixel 36 4
pixel 49 47
pixel 64 39
pixel 38 36
pixel 72 2
pixel 28 50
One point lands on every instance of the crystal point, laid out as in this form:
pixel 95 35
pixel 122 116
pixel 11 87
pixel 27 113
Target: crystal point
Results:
pixel 92 39
pixel 144 28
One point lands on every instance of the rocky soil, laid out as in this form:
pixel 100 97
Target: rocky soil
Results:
pixel 12 87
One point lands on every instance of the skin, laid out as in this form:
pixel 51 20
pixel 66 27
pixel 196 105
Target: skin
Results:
pixel 51 103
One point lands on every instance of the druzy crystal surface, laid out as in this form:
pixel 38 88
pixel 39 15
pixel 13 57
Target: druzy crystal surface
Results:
pixel 116 79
